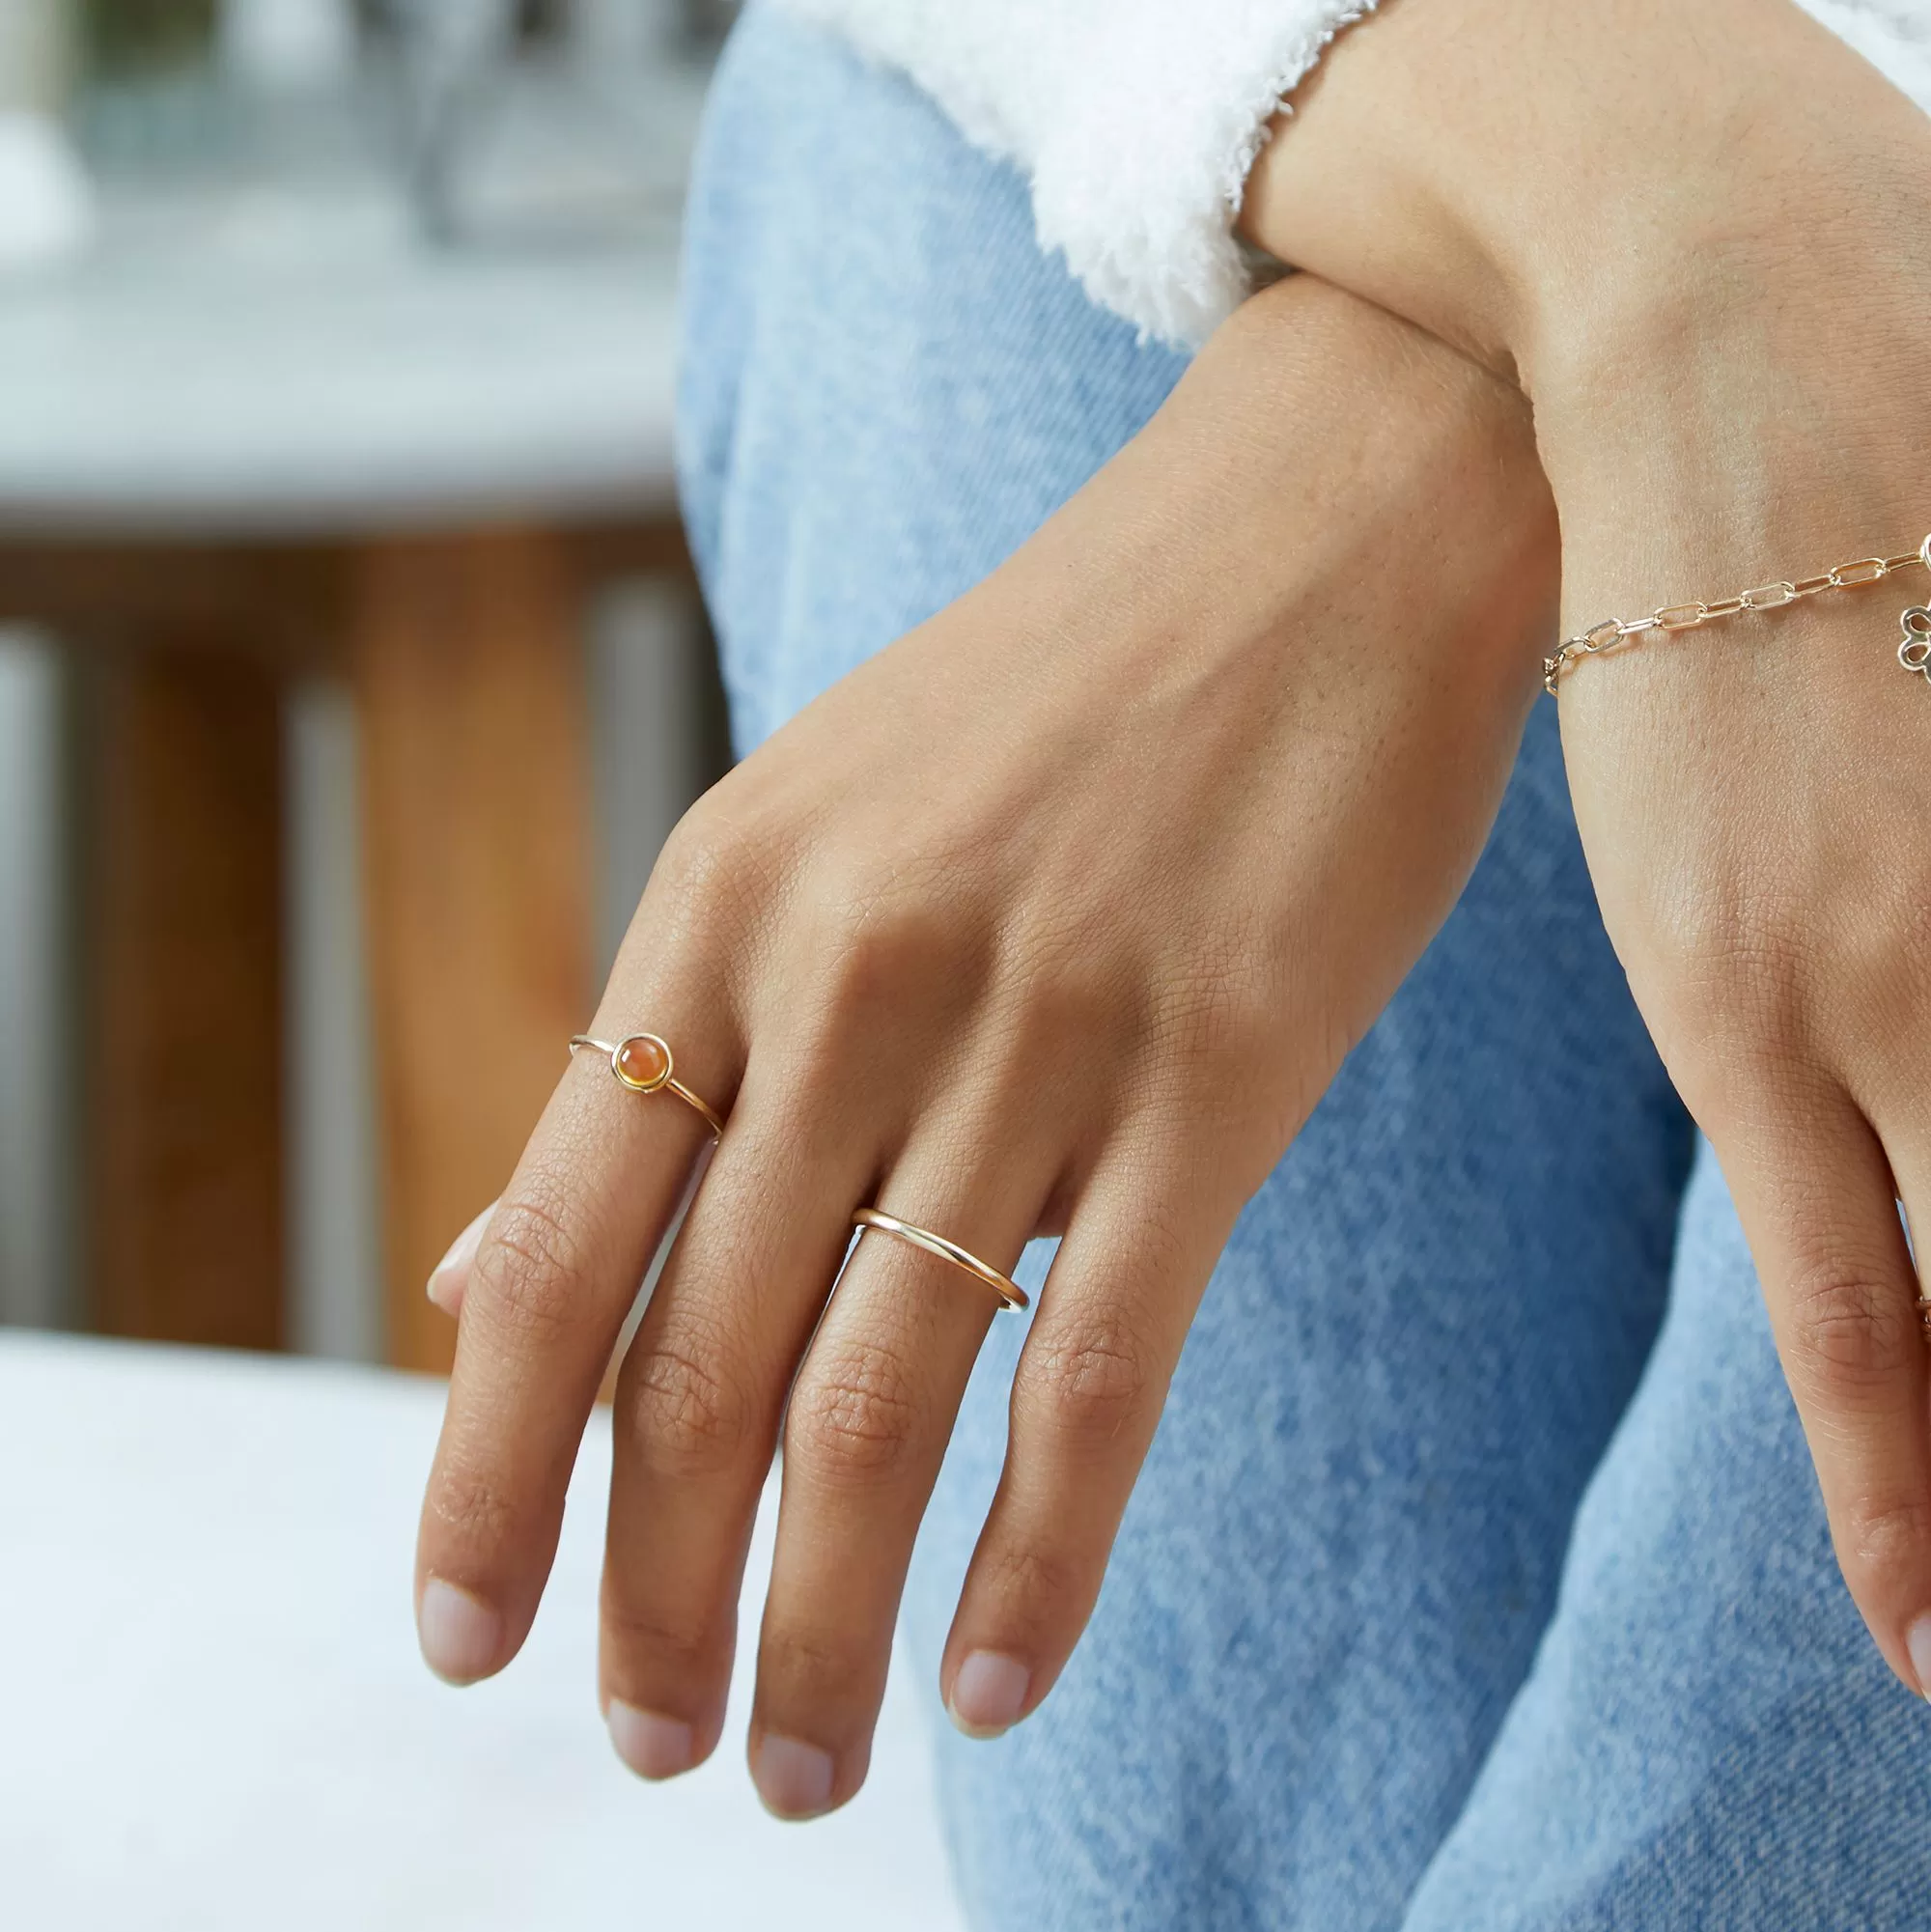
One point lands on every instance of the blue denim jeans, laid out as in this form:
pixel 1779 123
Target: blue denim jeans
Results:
pixel 1477 1577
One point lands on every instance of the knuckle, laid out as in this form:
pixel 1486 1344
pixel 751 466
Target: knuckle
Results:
pixel 532 1263
pixel 813 1665
pixel 1908 945
pixel 710 877
pixel 1091 1384
pixel 1887 1541
pixel 1217 1038
pixel 1853 1331
pixel 1034 1575
pixel 877 933
pixel 1061 1000
pixel 1216 1015
pixel 470 1510
pixel 634 1630
pixel 1735 967
pixel 684 1418
pixel 854 1417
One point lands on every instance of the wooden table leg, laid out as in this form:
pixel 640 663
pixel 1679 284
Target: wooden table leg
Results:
pixel 183 815
pixel 468 669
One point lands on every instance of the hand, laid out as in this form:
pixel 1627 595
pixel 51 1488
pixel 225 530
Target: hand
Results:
pixel 1748 797
pixel 1714 284
pixel 1057 916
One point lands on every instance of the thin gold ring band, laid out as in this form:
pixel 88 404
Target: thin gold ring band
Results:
pixel 1003 1286
pixel 642 1062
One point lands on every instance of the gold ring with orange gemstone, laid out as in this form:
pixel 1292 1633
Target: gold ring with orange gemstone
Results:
pixel 642 1062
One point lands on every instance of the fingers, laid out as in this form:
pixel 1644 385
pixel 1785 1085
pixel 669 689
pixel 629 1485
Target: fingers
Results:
pixel 864 1434
pixel 697 1407
pixel 1818 1207
pixel 1085 1400
pixel 554 1273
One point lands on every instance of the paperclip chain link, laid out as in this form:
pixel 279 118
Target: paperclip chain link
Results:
pixel 1852 575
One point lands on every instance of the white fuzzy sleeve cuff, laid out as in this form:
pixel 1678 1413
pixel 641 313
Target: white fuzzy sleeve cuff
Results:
pixel 1146 221
pixel 1894 35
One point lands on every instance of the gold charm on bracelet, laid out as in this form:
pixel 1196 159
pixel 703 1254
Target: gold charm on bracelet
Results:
pixel 1914 654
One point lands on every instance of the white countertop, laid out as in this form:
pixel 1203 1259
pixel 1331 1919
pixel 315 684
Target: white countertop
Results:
pixel 202 393
pixel 212 1715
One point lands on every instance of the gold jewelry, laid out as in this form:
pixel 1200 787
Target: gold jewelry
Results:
pixel 1914 654
pixel 1002 1285
pixel 1924 1312
pixel 641 1062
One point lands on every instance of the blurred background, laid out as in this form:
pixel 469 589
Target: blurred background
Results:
pixel 350 665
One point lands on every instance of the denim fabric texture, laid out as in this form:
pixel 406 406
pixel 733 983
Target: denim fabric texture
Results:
pixel 1478 1580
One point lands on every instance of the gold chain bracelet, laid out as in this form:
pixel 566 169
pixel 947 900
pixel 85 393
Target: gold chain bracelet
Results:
pixel 1914 654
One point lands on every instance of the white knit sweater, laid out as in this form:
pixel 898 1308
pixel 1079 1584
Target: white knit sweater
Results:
pixel 1147 223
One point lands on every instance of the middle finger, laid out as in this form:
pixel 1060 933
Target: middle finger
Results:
pixel 697 1405
pixel 865 1433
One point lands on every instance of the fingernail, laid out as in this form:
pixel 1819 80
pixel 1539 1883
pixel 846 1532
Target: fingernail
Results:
pixel 1918 1642
pixel 459 1633
pixel 988 1694
pixel 653 1746
pixel 445 1279
pixel 793 1779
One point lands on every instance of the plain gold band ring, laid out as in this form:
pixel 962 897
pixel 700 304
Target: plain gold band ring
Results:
pixel 642 1062
pixel 1003 1286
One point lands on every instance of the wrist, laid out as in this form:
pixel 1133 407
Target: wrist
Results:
pixel 1421 450
pixel 1315 440
pixel 1769 393
pixel 1555 188
pixel 1773 307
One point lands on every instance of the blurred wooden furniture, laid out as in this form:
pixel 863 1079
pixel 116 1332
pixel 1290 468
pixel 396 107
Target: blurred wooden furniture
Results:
pixel 219 472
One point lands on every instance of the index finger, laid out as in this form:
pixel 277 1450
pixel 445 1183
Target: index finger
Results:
pixel 558 1267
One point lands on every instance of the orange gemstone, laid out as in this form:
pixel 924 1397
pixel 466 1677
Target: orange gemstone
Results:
pixel 643 1061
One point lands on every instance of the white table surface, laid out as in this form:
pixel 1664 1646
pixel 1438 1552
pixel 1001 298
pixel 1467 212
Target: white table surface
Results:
pixel 204 391
pixel 212 1715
